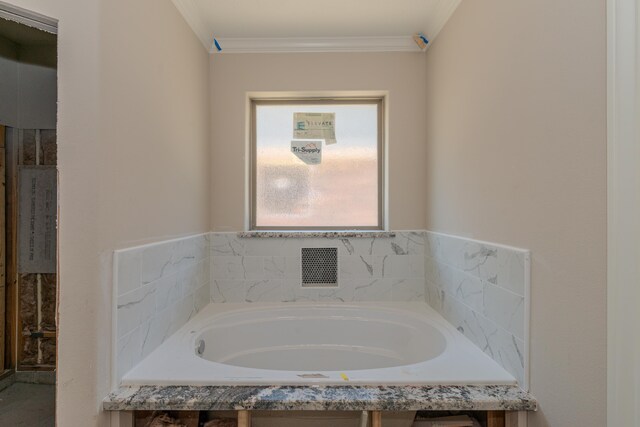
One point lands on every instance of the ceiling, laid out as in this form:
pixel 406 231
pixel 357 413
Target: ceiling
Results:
pixel 237 20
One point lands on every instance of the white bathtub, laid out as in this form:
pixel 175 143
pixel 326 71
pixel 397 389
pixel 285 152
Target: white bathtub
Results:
pixel 317 343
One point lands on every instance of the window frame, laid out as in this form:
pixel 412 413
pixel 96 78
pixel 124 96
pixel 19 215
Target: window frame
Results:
pixel 379 101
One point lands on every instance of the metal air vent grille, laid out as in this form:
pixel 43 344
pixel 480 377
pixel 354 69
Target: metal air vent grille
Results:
pixel 319 267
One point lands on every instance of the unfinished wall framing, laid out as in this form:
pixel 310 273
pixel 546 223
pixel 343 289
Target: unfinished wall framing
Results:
pixel 33 293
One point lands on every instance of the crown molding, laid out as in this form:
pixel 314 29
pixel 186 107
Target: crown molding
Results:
pixel 317 44
pixel 433 25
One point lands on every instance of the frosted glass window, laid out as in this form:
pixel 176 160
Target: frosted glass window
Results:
pixel 342 191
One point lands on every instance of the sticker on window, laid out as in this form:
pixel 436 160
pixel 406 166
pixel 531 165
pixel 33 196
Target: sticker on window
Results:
pixel 315 126
pixel 309 152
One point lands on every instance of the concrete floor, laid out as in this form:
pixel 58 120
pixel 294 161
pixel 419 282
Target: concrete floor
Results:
pixel 28 405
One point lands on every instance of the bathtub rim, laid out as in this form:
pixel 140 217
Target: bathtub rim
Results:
pixel 146 373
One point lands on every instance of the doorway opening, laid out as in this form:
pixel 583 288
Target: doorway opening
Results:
pixel 28 218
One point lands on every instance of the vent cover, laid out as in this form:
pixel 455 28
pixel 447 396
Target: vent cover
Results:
pixel 319 267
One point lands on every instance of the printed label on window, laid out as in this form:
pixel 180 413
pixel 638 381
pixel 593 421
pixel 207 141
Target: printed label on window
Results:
pixel 315 126
pixel 309 152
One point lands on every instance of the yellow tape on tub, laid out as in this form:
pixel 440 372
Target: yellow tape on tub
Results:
pixel 344 376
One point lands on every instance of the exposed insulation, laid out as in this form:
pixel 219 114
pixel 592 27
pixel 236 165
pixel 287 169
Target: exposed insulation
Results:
pixel 48 350
pixel 28 294
pixel 48 302
pixel 48 147
pixel 29 355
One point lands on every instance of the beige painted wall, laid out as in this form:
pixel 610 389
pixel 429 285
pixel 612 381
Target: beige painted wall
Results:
pixel 134 165
pixel 402 74
pixel 517 154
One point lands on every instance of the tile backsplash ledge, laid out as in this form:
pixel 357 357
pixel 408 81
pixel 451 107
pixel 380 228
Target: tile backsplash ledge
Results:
pixel 479 287
pixel 370 268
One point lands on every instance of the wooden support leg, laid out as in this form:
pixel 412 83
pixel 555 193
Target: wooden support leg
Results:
pixel 364 419
pixel 495 419
pixel 376 418
pixel 122 419
pixel 244 419
pixel 515 419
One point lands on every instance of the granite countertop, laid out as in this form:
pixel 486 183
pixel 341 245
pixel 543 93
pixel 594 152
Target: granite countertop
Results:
pixel 338 398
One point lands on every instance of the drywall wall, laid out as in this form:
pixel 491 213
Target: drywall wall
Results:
pixel 401 74
pixel 8 83
pixel 517 154
pixel 134 166
pixel 28 88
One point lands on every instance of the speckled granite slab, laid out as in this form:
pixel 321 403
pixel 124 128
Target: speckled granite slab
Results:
pixel 319 398
pixel 315 234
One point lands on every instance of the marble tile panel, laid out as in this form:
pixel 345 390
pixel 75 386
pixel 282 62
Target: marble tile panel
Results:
pixel 273 247
pixel 189 279
pixel 134 308
pixel 202 297
pixel 467 289
pixel 202 246
pixel 356 247
pixel 128 275
pixel 173 283
pixel 203 272
pixel 154 331
pixel 186 254
pixel 294 292
pixel 128 352
pixel 266 290
pixel 182 311
pixel 481 261
pixel 404 243
pixel 158 261
pixel 238 268
pixel 231 291
pixel 502 346
pixel 372 289
pixel 505 308
pixel 168 290
pixel 358 267
pixel 293 269
pixel 410 289
pixel 433 296
pixel 401 267
pixel 275 267
pixel 226 244
pixel 512 270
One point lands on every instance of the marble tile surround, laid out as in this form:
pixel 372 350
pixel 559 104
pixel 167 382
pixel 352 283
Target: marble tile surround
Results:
pixel 371 268
pixel 481 288
pixel 157 289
